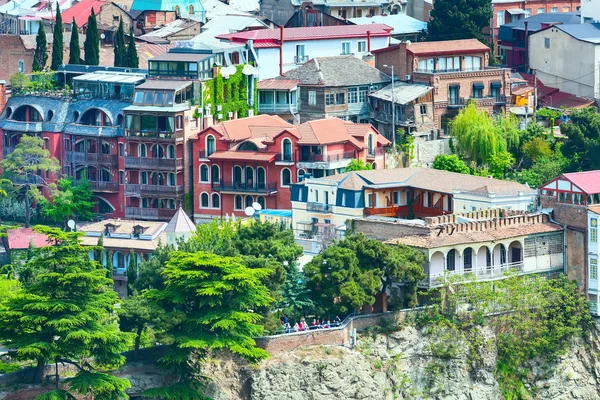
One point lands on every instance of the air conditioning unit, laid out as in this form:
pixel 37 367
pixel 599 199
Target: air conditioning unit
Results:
pixel 207 110
pixel 230 115
pixel 219 116
pixel 219 107
pixel 251 113
pixel 407 78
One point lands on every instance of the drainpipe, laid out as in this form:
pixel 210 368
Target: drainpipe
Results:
pixel 281 50
pixel 369 41
pixel 526 46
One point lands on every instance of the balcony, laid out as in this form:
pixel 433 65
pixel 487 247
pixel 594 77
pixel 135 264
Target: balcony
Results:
pixel 245 187
pixel 153 163
pixel 404 211
pixel 273 108
pixel 479 274
pixel 373 153
pixel 136 189
pixel 7 150
pixel 162 136
pixel 474 71
pixel 329 161
pixel 456 102
pixel 204 154
pixel 300 59
pixel 91 158
pixel 319 207
pixel 100 186
pixel 31 179
pixel 499 99
pixel 284 159
pixel 149 213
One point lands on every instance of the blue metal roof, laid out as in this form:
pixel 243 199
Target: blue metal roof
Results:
pixel 534 23
pixel 277 213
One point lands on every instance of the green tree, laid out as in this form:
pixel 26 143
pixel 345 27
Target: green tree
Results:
pixel 100 251
pixel 132 272
pixel 69 200
pixel 40 56
pixel 150 272
pixel 451 163
pixel 582 147
pixel 295 296
pixel 135 314
pixel 132 59
pixel 27 166
pixel 91 45
pixel 57 41
pixel 500 163
pixel 63 315
pixel 358 165
pixel 208 299
pixel 74 50
pixel 19 81
pixel 536 148
pixel 120 48
pixel 459 19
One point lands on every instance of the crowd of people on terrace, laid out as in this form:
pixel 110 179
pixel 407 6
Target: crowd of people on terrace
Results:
pixel 303 326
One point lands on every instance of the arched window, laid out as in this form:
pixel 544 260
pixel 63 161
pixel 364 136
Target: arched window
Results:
pixel 158 151
pixel 286 177
pixel 158 178
pixel 214 174
pixel 27 114
pixel 450 260
pixel 105 176
pixel 287 150
pixel 260 178
pixel 249 201
pixel 170 151
pixel 502 254
pixel 262 202
pixel 216 200
pixel 191 9
pixel 204 200
pixel 171 204
pixel 204 173
pixel 374 165
pixel 49 115
pixel 238 202
pixel 237 174
pixel 105 148
pixel 144 178
pixel 210 145
pixel 95 117
pixel 249 176
pixel 301 174
pixel 171 179
pixel 142 150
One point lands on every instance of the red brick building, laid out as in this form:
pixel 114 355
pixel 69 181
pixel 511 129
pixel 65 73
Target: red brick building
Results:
pixel 255 159
pixel 458 71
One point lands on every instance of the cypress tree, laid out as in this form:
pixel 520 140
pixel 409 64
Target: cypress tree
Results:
pixel 132 59
pixel 75 51
pixel 40 56
pixel 120 50
pixel 57 43
pixel 92 42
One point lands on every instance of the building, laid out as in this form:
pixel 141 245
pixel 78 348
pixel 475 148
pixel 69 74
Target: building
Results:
pixel 180 29
pixel 306 15
pixel 281 12
pixel 280 97
pixel 404 27
pixel 419 9
pixel 257 159
pixel 18 241
pixel 108 16
pixel 155 10
pixel 590 11
pixel 514 36
pixel 579 42
pixel 324 205
pixel 482 246
pixel 26 17
pixel 279 50
pixel 508 11
pixel 550 97
pixel 593 255
pixel 331 87
pixel 413 111
pixel 458 71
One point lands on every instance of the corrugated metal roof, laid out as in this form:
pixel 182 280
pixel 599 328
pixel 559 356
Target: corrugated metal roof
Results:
pixel 403 92
pixel 277 84
pixel 250 6
pixel 190 57
pixel 401 23
pixel 110 78
pixel 163 84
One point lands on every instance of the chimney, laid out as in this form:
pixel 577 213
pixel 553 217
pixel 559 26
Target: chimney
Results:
pixel 207 120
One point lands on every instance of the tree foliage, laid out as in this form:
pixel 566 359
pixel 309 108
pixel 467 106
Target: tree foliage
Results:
pixel 132 59
pixel 68 200
pixel 582 147
pixel 63 314
pixel 451 163
pixel 92 41
pixel 135 314
pixel 74 50
pixel 120 49
pixel 358 165
pixel 459 19
pixel 40 56
pixel 57 41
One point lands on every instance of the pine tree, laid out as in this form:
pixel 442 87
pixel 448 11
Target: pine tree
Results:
pixel 75 51
pixel 57 42
pixel 100 251
pixel 132 59
pixel 64 315
pixel 120 49
pixel 132 272
pixel 40 56
pixel 92 42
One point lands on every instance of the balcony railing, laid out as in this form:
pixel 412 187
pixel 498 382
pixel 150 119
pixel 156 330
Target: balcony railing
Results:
pixel 31 179
pixel 456 101
pixel 245 187
pixel 300 59
pixel 288 108
pixel 101 186
pixel 156 135
pixel 284 157
pixel 95 158
pixel 147 162
pixel 454 70
pixel 149 213
pixel 372 153
pixel 7 150
pixel 478 274
pixel 319 207
pixel 311 157
pixel 153 190
pixel 204 153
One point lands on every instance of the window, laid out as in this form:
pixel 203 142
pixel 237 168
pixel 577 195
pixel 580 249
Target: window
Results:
pixel 445 64
pixel 204 200
pixel 477 90
pixel 541 10
pixel 340 98
pixel 238 202
pixel 204 173
pixel 362 93
pixel 287 150
pixel 499 19
pixel 554 10
pixel 346 48
pixel 210 145
pixel 144 179
pixel 352 95
pixel 300 54
pixel 423 109
pixel 593 269
pixel 286 177
pixel 362 46
pixel 262 202
pixel 547 42
pixel 396 198
pixel 171 179
pixel 191 9
pixel 450 263
pixel 249 201
pixel 594 235
pixel 471 63
pixel 216 200
pixel 527 12
pixel 214 174
pixel 566 9
pixel 312 98
pixel 358 13
pixel 179 122
pixel 468 258
pixel 329 99
pixel 21 66
pixel 428 65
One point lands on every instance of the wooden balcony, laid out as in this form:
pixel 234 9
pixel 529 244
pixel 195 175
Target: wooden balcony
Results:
pixel 106 187
pixel 136 189
pixel 77 157
pixel 404 211
pixel 149 213
pixel 153 163
pixel 245 187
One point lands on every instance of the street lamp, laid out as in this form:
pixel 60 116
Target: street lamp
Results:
pixel 393 107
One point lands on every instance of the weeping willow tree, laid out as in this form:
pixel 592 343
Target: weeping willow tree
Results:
pixel 478 137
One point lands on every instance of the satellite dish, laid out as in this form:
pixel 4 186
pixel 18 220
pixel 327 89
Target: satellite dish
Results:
pixel 229 70
pixel 71 224
pixel 103 36
pixel 256 206
pixel 249 211
pixel 248 70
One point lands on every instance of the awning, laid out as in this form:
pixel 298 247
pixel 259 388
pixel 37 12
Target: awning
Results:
pixel 496 84
pixel 478 85
pixel 516 11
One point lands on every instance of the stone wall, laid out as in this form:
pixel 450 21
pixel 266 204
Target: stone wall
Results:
pixel 384 230
pixel 573 215
pixel 426 151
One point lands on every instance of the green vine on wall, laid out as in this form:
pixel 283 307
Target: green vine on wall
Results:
pixel 231 94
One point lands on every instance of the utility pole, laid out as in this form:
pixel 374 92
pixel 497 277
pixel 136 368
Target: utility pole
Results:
pixel 534 96
pixel 393 108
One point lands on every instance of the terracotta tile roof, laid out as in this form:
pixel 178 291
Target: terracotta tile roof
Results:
pixel 595 209
pixel 242 155
pixel 442 47
pixel 21 237
pixel 334 130
pixel 239 129
pixel 277 84
pixel 126 244
pixel 122 226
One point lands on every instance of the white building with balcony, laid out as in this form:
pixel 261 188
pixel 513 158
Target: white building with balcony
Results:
pixel 593 217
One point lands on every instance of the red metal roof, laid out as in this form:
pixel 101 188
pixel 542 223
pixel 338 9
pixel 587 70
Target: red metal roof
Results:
pixel 81 11
pixel 463 46
pixel 278 84
pixel 588 181
pixel 554 98
pixel 242 155
pixel 19 238
pixel 270 37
